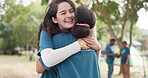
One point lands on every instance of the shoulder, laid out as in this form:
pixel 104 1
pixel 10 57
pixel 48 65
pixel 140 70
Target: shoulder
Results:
pixel 43 32
pixel 62 35
pixel 107 46
pixel 44 37
pixel 128 48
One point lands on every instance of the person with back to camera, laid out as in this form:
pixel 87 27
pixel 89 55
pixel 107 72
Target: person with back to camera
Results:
pixel 69 65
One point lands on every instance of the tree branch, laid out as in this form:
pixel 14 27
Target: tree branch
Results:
pixel 124 20
pixel 107 19
pixel 100 17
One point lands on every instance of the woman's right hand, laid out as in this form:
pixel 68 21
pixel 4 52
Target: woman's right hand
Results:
pixel 83 44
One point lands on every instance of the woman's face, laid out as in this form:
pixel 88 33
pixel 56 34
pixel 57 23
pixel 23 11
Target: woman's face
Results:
pixel 65 16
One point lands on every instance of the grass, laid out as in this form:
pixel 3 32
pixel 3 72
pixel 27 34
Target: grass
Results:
pixel 20 67
pixel 17 67
pixel 135 72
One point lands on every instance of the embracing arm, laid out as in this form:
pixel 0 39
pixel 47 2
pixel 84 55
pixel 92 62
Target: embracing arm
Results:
pixel 39 68
pixel 52 57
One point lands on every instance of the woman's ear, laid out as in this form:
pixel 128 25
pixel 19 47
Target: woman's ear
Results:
pixel 54 20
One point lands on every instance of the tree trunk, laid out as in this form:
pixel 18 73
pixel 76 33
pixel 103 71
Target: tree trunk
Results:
pixel 131 32
pixel 107 19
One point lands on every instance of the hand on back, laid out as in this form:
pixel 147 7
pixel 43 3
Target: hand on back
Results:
pixel 93 43
pixel 83 44
pixel 89 42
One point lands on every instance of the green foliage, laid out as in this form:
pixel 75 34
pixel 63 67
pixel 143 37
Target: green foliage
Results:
pixel 111 7
pixel 45 2
pixel 77 1
pixel 19 26
pixel 1 43
pixel 101 29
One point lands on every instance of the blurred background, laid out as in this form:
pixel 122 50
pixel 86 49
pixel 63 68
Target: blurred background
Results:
pixel 119 19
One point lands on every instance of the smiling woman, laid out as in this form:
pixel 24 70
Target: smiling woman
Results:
pixel 65 16
pixel 56 19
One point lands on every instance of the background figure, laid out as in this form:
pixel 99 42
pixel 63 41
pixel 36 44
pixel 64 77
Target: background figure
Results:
pixel 125 60
pixel 110 57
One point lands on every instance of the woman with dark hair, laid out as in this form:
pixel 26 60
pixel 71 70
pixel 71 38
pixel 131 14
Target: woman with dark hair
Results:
pixel 58 21
pixel 85 21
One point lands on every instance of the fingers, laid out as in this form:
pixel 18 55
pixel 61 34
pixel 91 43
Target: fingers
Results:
pixel 85 47
pixel 89 40
pixel 92 43
pixel 83 44
pixel 89 45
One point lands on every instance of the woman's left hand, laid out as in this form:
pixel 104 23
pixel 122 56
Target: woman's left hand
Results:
pixel 93 43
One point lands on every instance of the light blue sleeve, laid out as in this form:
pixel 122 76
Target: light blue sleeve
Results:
pixel 45 41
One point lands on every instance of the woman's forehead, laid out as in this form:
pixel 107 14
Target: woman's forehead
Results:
pixel 64 6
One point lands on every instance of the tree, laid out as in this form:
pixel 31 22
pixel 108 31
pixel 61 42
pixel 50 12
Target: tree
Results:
pixel 129 13
pixel 19 25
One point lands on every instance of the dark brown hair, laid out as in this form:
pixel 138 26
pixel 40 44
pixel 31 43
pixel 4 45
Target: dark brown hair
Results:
pixel 124 42
pixel 47 23
pixel 84 16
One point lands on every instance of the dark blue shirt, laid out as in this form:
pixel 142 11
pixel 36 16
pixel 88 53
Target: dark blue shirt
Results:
pixel 126 52
pixel 109 49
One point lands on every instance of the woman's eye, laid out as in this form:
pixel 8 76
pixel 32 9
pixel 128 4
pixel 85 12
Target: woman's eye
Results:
pixel 63 13
pixel 71 11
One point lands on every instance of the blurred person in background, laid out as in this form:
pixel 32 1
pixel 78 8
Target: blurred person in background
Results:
pixel 110 57
pixel 125 60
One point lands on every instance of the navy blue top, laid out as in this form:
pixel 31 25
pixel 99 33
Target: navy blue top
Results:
pixel 83 64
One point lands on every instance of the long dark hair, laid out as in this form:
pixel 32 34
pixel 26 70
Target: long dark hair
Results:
pixel 47 23
pixel 84 16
